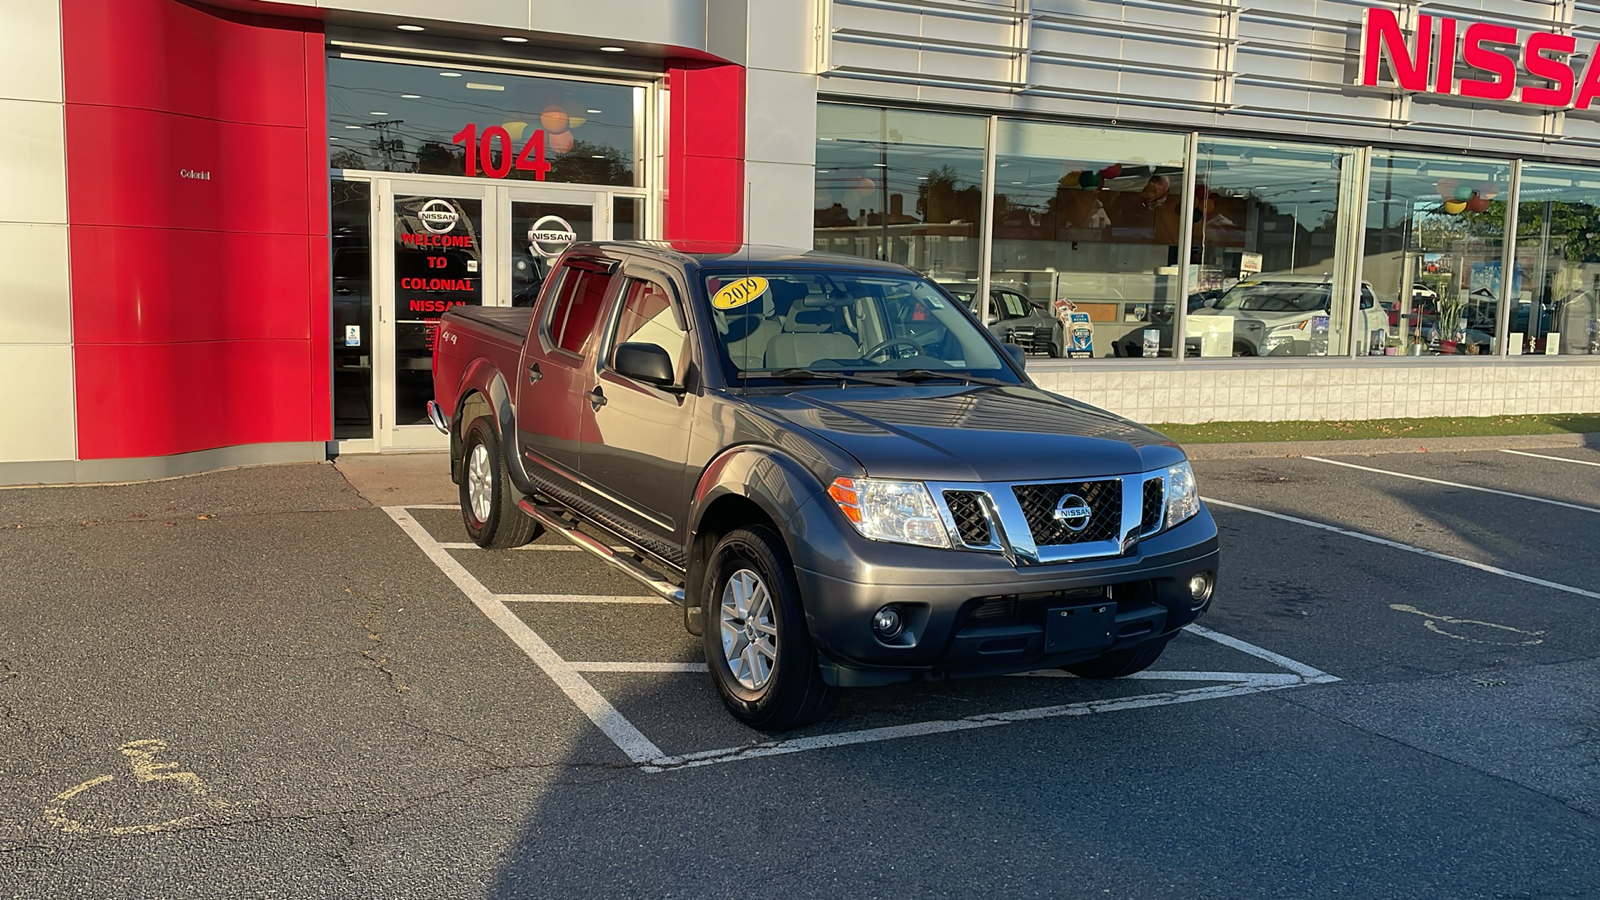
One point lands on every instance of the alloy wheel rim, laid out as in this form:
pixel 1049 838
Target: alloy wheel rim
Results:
pixel 480 483
pixel 749 632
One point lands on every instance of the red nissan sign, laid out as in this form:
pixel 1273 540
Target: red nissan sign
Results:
pixel 1495 56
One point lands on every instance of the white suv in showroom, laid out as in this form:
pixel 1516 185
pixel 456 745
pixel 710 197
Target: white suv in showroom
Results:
pixel 1277 315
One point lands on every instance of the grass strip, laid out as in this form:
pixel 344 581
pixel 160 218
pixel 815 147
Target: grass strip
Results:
pixel 1333 430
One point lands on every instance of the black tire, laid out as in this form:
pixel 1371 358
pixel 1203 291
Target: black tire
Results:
pixel 1120 663
pixel 1240 348
pixel 793 693
pixel 503 525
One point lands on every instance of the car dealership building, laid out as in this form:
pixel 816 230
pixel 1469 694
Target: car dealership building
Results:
pixel 230 226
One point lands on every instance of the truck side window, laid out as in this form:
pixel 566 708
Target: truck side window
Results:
pixel 647 317
pixel 576 309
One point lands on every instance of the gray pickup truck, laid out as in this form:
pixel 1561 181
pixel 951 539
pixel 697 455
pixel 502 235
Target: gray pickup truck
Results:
pixel 841 476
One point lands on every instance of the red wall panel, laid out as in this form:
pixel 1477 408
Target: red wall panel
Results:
pixel 705 152
pixel 255 174
pixel 177 398
pixel 170 56
pixel 200 305
pixel 151 285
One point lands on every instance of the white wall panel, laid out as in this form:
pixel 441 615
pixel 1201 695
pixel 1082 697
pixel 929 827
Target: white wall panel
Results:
pixel 38 386
pixel 782 34
pixel 782 197
pixel 35 299
pixel 780 117
pixel 33 168
pixel 30 44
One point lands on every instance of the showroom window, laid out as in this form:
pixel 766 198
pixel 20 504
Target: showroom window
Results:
pixel 1088 227
pixel 437 120
pixel 1271 279
pixel 1434 246
pixel 903 186
pixel 1555 309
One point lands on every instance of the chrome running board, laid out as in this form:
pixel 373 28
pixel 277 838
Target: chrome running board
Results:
pixel 628 567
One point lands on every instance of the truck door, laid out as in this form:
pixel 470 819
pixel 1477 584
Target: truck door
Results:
pixel 556 370
pixel 636 434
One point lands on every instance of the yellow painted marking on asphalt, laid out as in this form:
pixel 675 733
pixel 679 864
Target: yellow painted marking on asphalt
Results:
pixel 141 756
pixel 1537 637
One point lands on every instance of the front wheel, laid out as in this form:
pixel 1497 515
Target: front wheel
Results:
pixel 488 498
pixel 756 642
pixel 1120 663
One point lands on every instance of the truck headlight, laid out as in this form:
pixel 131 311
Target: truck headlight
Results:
pixel 1183 497
pixel 897 511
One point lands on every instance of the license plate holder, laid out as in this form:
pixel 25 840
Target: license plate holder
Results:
pixel 1073 628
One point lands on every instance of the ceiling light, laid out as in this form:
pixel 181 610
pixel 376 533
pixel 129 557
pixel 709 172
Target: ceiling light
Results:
pixel 410 96
pixel 356 127
pixel 410 27
pixel 612 49
pixel 513 39
pixel 593 112
pixel 480 86
pixel 599 156
pixel 377 113
pixel 450 74
pixel 333 139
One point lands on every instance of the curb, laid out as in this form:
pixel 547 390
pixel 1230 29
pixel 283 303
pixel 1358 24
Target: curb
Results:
pixel 1374 446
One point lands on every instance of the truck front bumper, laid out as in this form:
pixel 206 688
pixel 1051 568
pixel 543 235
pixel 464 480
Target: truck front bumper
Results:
pixel 967 614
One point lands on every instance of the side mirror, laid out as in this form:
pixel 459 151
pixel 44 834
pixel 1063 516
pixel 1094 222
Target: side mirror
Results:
pixel 644 362
pixel 1018 355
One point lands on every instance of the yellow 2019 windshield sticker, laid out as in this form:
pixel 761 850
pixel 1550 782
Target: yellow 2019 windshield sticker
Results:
pixel 739 293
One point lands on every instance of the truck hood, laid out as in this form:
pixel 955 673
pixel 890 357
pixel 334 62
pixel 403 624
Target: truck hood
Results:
pixel 961 433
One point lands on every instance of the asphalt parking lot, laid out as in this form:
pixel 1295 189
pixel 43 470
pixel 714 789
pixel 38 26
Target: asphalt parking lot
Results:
pixel 269 683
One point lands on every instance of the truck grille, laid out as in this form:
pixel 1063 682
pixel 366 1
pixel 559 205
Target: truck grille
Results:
pixel 1155 502
pixel 1040 501
pixel 972 525
pixel 1033 340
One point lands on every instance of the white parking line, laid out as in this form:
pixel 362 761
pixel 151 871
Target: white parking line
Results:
pixel 628 739
pixel 1576 462
pixel 567 676
pixel 1454 484
pixel 1482 567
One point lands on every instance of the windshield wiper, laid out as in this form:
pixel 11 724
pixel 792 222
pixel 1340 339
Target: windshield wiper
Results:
pixel 929 375
pixel 797 374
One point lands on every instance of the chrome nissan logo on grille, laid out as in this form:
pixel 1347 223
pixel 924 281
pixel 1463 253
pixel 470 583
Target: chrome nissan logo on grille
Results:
pixel 1073 513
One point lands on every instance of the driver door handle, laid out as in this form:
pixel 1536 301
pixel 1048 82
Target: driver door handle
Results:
pixel 597 399
pixel 534 374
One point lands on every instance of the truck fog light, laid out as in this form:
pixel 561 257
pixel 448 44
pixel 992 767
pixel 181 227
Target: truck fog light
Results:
pixel 887 623
pixel 1200 587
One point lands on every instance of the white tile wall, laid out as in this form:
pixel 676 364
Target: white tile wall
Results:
pixel 39 401
pixel 35 299
pixel 781 200
pixel 1246 392
pixel 30 44
pixel 33 166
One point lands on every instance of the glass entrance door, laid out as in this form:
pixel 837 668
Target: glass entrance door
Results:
pixel 445 243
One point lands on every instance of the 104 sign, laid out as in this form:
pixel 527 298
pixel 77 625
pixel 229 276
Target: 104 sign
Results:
pixel 498 162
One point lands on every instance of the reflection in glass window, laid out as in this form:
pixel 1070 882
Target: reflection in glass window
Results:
pixel 1087 224
pixel 397 117
pixel 647 317
pixel 900 185
pixel 352 309
pixel 1266 240
pixel 1435 236
pixel 1556 307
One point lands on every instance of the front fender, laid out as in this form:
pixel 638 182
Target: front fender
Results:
pixel 763 475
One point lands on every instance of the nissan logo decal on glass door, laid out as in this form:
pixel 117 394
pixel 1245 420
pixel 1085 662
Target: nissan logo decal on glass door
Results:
pixel 550 235
pixel 438 216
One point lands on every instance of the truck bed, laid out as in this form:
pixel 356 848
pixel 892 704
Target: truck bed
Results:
pixel 513 321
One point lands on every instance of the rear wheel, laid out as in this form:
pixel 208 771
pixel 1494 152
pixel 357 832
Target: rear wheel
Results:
pixel 1120 663
pixel 488 499
pixel 756 642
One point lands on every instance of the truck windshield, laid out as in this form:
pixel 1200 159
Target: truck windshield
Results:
pixel 776 324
